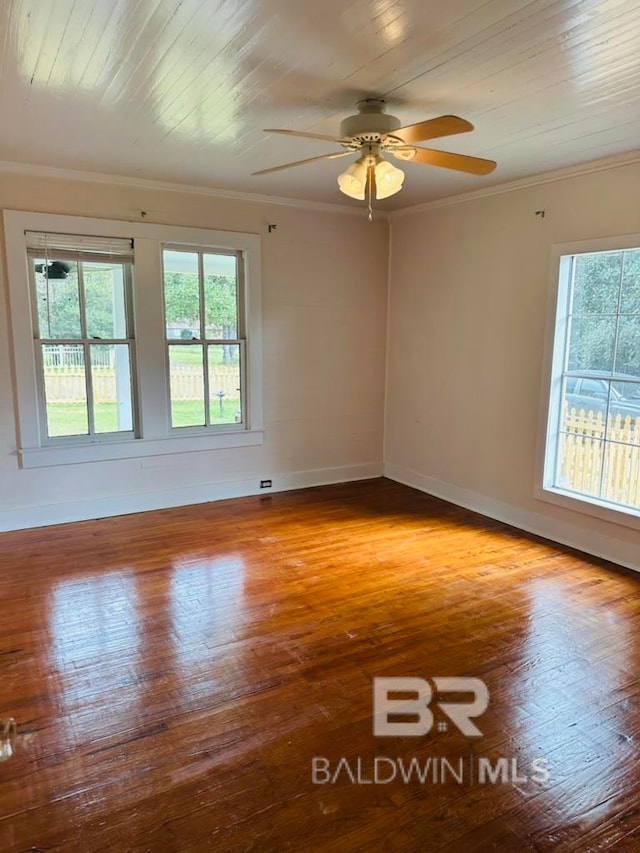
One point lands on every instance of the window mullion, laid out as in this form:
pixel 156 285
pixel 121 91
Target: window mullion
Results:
pixel 205 379
pixel 82 302
pixel 89 386
pixel 41 390
pixel 617 316
pixel 613 370
pixel 203 339
pixel 135 388
pixel 85 347
pixel 128 301
pixel 243 380
pixel 567 321
pixel 241 305
pixel 201 294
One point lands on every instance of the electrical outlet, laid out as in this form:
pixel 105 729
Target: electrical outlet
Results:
pixel 265 484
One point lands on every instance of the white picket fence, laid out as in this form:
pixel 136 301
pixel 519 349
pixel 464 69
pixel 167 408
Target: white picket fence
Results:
pixel 68 385
pixel 187 382
pixel 588 464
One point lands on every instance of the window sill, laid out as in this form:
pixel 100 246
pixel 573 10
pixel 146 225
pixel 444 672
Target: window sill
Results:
pixel 42 457
pixel 590 506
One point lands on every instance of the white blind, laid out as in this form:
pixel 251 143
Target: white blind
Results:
pixel 77 247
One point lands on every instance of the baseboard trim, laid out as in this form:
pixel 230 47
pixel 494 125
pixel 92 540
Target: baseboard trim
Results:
pixel 63 513
pixel 603 547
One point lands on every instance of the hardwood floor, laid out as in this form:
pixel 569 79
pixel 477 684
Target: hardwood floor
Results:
pixel 174 674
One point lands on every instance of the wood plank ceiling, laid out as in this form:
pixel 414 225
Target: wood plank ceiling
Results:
pixel 180 91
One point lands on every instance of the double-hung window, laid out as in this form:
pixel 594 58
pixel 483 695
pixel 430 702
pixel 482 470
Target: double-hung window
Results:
pixel 593 430
pixel 83 335
pixel 132 339
pixel 204 326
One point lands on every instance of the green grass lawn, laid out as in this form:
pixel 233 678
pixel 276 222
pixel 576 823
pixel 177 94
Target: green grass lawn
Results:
pixel 71 418
pixel 193 354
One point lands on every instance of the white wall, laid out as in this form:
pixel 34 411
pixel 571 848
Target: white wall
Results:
pixel 468 306
pixel 467 313
pixel 324 320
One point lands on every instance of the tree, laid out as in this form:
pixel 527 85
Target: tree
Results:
pixel 182 307
pixel 605 283
pixel 58 302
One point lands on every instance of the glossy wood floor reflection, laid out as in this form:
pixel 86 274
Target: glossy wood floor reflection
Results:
pixel 173 674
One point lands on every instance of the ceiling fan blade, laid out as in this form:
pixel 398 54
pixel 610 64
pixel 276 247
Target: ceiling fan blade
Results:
pixel 432 129
pixel 302 162
pixel 458 162
pixel 307 135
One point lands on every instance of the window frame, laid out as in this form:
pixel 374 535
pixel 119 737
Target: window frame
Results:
pixel 205 342
pixel 86 343
pixel 156 436
pixel 556 336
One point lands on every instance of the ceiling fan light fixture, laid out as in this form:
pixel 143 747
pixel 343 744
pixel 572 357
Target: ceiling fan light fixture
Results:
pixel 389 179
pixel 353 181
pixel 373 135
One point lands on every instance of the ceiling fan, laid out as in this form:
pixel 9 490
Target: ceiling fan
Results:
pixel 372 133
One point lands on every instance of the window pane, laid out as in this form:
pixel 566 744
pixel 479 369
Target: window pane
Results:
pixel 104 300
pixel 65 391
pixel 111 385
pixel 220 296
pixel 181 295
pixel 186 378
pixel 621 475
pixel 596 283
pixel 579 463
pixel 627 392
pixel 628 346
pixel 630 299
pixel 584 409
pixel 591 343
pixel 57 298
pixel 624 412
pixel 225 399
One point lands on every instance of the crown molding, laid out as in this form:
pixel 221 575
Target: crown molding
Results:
pixel 589 168
pixel 60 174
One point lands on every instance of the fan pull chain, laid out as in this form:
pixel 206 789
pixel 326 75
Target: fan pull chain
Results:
pixel 369 182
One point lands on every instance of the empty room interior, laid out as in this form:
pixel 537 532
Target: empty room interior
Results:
pixel 319 426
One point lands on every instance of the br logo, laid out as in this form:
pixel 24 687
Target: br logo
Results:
pixel 418 705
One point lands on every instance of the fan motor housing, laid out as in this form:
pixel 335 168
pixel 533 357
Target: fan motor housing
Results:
pixel 371 120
